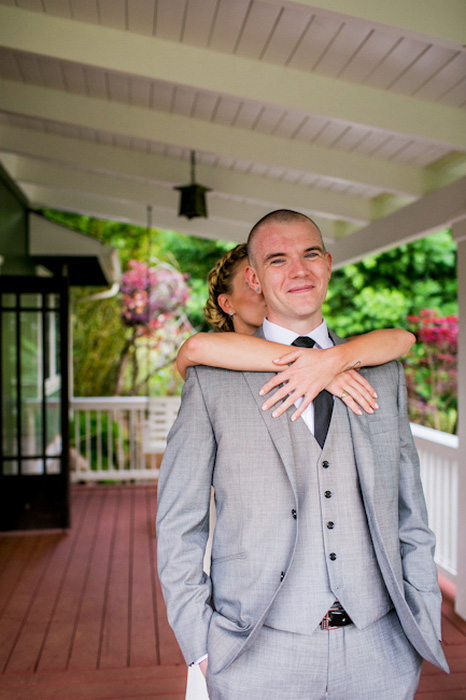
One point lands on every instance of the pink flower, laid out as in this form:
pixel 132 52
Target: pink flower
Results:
pixel 148 292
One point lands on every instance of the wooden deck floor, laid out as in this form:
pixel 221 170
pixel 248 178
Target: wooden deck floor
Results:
pixel 82 615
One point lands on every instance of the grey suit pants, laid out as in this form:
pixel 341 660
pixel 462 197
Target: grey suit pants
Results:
pixel 377 663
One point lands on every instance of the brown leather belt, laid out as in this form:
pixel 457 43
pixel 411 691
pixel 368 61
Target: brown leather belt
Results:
pixel 335 618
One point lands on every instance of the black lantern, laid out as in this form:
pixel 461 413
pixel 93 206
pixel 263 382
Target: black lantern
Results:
pixel 193 200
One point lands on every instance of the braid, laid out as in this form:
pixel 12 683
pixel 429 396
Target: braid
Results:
pixel 220 281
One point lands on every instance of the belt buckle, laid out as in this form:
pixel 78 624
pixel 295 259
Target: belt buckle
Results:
pixel 325 623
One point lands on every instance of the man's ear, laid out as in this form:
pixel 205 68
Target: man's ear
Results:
pixel 252 279
pixel 225 304
pixel 328 257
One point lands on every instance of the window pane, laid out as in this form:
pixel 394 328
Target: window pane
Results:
pixel 52 301
pixel 10 467
pixel 53 428
pixel 53 466
pixel 8 301
pixel 32 466
pixel 31 301
pixel 31 384
pixel 9 385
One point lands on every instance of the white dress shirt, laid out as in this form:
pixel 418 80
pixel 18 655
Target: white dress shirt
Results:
pixel 322 340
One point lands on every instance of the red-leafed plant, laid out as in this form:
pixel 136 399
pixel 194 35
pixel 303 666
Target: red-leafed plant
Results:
pixel 431 370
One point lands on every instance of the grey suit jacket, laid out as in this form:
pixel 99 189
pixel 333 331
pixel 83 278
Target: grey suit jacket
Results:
pixel 222 437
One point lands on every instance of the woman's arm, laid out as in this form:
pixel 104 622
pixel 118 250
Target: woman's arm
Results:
pixel 229 350
pixel 310 371
pixel 303 377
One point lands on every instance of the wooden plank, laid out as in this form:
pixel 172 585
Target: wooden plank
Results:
pixel 15 554
pixel 19 604
pixel 452 632
pixel 58 640
pixel 113 652
pixel 444 683
pixel 30 642
pixel 143 633
pixel 159 683
pixel 85 644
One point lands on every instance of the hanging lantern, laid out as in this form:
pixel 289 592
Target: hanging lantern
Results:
pixel 192 199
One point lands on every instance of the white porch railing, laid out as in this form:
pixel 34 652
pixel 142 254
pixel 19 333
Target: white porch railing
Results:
pixel 438 453
pixel 119 438
pixel 122 439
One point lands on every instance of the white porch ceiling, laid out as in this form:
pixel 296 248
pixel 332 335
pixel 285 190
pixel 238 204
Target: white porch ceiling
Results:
pixel 349 110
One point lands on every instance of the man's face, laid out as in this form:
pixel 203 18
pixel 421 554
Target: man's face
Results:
pixel 292 271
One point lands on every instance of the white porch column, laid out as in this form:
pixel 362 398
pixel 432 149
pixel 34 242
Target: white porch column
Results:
pixel 458 231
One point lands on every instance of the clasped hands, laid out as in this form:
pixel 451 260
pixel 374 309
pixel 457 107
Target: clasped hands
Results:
pixel 303 374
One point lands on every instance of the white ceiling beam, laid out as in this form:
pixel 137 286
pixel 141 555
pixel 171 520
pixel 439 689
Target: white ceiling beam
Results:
pixel 203 69
pixel 443 21
pixel 111 160
pixel 433 212
pixel 130 212
pixel 224 141
pixel 117 189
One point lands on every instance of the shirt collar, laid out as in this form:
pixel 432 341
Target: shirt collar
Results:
pixel 278 334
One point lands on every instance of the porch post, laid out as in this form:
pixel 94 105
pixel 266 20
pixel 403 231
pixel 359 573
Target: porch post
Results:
pixel 458 232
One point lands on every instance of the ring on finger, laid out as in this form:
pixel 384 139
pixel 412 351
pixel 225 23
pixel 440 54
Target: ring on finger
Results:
pixel 344 395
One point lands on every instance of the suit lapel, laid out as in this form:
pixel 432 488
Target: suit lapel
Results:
pixel 279 428
pixel 362 445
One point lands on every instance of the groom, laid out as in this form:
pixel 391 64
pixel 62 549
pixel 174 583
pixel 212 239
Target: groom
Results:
pixel 322 581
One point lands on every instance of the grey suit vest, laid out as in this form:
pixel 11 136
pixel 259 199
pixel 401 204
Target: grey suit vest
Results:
pixel 334 557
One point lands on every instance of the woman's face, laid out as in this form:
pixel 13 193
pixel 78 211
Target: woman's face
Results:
pixel 248 307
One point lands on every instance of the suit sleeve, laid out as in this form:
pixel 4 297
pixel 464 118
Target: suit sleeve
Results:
pixel 417 541
pixel 183 521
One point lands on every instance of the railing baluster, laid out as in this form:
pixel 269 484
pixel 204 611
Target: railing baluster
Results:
pixel 98 422
pixel 109 440
pixel 88 437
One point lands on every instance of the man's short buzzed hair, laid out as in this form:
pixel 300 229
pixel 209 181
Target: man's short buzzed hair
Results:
pixel 280 216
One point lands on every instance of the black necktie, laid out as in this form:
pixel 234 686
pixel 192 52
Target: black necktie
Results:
pixel 323 402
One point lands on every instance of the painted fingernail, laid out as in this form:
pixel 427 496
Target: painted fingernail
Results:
pixel 264 407
pixel 376 405
pixel 359 412
pixel 375 395
pixel 275 414
pixel 371 410
pixel 261 392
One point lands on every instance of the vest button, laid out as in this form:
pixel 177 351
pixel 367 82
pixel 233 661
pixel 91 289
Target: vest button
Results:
pixel 282 576
pixel 330 525
pixel 332 556
pixel 325 464
pixel 294 514
pixel 328 494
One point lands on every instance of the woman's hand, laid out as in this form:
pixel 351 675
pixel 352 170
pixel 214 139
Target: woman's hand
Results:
pixel 304 372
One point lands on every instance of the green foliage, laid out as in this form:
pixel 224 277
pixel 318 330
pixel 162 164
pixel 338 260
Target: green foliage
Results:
pixel 380 291
pixel 99 341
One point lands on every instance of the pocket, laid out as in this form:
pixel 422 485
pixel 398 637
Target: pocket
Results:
pixel 228 557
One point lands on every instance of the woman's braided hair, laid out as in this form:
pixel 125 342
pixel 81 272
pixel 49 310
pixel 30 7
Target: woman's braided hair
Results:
pixel 220 281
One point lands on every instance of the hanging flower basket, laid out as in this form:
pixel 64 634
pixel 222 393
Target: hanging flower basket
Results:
pixel 150 293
